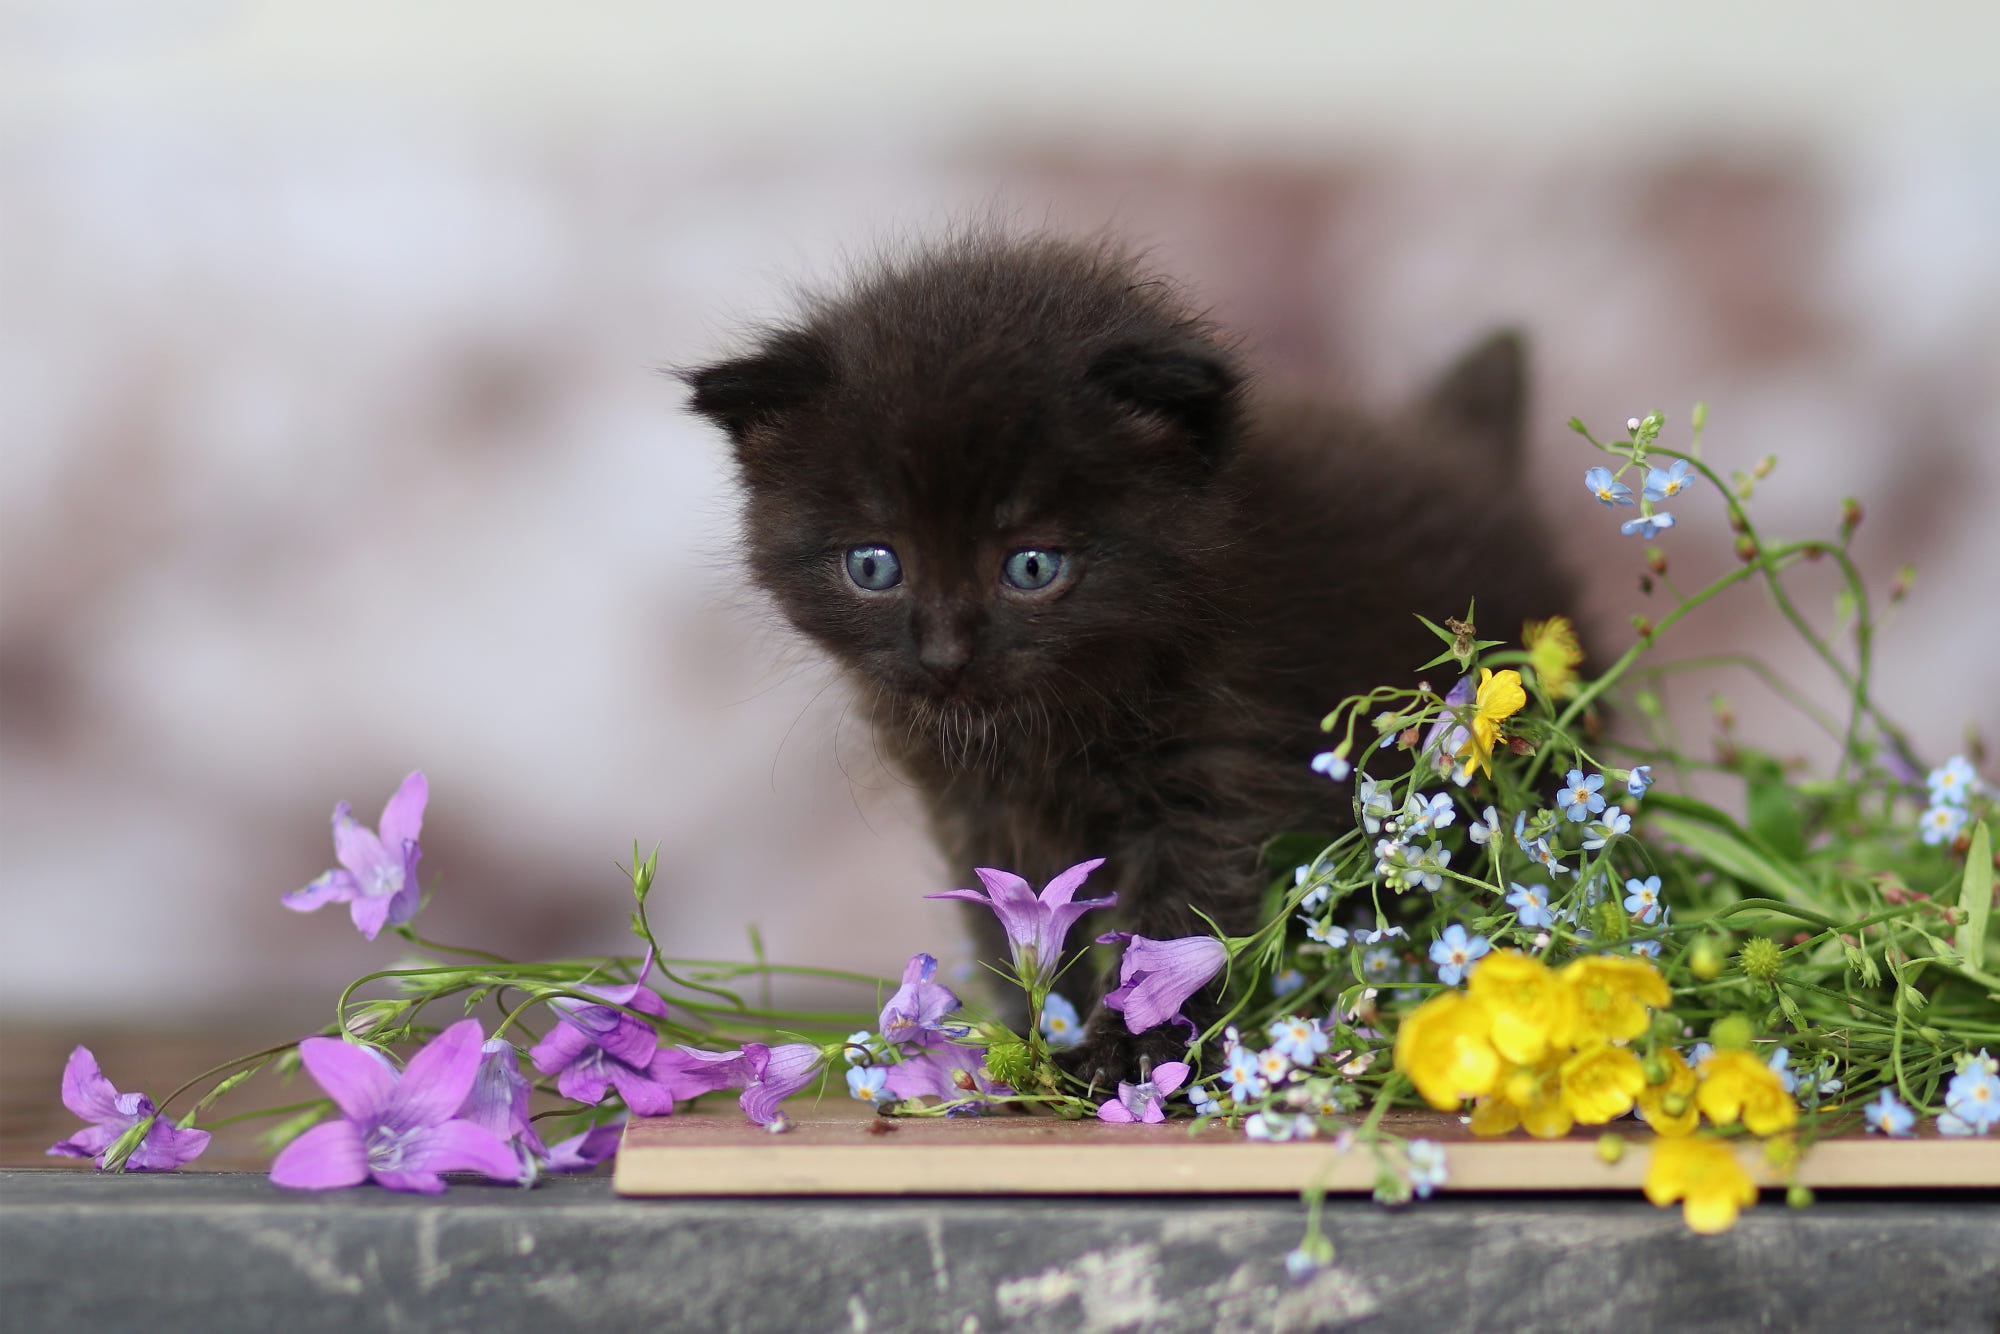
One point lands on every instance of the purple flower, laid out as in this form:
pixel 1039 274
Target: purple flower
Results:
pixel 399 1129
pixel 918 1004
pixel 377 877
pixel 86 1092
pixel 597 1047
pixel 1036 926
pixel 1156 977
pixel 1143 1101
pixel 499 1099
pixel 776 1073
pixel 944 1070
pixel 580 1153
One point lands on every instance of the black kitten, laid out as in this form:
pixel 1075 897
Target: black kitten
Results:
pixel 1095 597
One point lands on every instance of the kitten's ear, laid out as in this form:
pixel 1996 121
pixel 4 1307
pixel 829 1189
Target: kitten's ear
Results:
pixel 1188 383
pixel 789 370
pixel 1485 393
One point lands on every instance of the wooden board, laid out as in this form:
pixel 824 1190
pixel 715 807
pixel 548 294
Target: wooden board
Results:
pixel 831 1151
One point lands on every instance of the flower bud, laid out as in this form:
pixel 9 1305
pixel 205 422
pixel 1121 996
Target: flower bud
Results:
pixel 1746 548
pixel 1732 1030
pixel 1654 1069
pixel 964 1080
pixel 1799 1196
pixel 1007 1061
pixel 1850 515
pixel 1656 560
pixel 1707 957
pixel 1760 959
pixel 1644 625
pixel 1764 466
pixel 1610 1148
pixel 1674 1104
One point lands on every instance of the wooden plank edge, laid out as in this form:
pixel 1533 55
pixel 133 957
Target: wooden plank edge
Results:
pixel 1247 1168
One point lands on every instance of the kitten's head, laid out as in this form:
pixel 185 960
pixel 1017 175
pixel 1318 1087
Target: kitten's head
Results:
pixel 986 480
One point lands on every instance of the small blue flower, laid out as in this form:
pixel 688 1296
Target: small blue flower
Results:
pixel 1952 783
pixel 1332 764
pixel 1973 1095
pixel 1427 1170
pixel 1276 1127
pixel 1378 965
pixel 1455 953
pixel 1533 904
pixel 1286 982
pixel 1599 832
pixel 1698 1053
pixel 1427 867
pixel 856 1050
pixel 1326 933
pixel 1581 797
pixel 1422 814
pixel 865 1083
pixel 1301 1040
pixel 1940 824
pixel 1202 1099
pixel 1648 526
pixel 1380 934
pixel 1642 898
pixel 1649 948
pixel 1887 1116
pixel 1668 483
pixel 1300 1265
pixel 1060 1023
pixel 1377 804
pixel 1242 1077
pixel 1639 780
pixel 1781 1066
pixel 1607 488
pixel 1486 828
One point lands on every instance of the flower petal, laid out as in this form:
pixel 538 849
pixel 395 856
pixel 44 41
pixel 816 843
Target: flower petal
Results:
pixel 437 1079
pixel 414 1183
pixel 1014 903
pixel 642 1093
pixel 356 846
pixel 580 1153
pixel 1170 1076
pixel 1062 889
pixel 560 1049
pixel 167 1147
pixel 789 1068
pixel 370 913
pixel 85 1090
pixel 1115 1111
pixel 87 1142
pixel 328 1156
pixel 336 886
pixel 688 1071
pixel 403 817
pixel 460 1146
pixel 586 1080
pixel 358 1079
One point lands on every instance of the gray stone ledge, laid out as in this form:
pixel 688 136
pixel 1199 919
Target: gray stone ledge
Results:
pixel 220 1252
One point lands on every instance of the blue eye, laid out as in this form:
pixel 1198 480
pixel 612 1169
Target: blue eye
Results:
pixel 1032 569
pixel 874 568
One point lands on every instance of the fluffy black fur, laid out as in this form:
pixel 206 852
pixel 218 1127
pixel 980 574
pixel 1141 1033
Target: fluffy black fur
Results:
pixel 1233 566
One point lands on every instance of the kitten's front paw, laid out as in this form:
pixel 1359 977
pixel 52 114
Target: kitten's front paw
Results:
pixel 1108 1055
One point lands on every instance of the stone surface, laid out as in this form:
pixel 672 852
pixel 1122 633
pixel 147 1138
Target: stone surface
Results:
pixel 221 1252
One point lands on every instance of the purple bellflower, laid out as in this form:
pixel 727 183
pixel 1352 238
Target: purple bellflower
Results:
pixel 1145 1101
pixel 598 1047
pixel 775 1074
pixel 499 1100
pixel 377 876
pixel 1036 926
pixel 918 1006
pixel 401 1129
pixel 948 1071
pixel 86 1092
pixel 580 1153
pixel 1156 977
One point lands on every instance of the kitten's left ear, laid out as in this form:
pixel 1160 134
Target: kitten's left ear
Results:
pixel 1485 393
pixel 789 370
pixel 1189 383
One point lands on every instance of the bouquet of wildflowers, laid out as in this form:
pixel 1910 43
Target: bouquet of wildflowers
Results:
pixel 1531 921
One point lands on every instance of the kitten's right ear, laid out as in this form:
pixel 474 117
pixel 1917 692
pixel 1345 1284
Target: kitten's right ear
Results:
pixel 789 370
pixel 1188 383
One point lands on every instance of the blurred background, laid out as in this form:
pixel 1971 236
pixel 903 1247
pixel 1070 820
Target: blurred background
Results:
pixel 335 444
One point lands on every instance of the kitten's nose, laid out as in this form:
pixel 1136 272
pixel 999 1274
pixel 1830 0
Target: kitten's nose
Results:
pixel 944 656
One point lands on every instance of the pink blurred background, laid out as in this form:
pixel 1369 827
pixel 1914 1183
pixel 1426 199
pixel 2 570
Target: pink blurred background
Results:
pixel 335 447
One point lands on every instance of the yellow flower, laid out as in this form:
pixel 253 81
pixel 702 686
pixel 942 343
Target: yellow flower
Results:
pixel 1735 1083
pixel 1554 652
pixel 1532 1009
pixel 1612 995
pixel 1600 1083
pixel 1494 1116
pixel 1704 1173
pixel 1535 1092
pixel 1658 1101
pixel 1445 1050
pixel 1500 697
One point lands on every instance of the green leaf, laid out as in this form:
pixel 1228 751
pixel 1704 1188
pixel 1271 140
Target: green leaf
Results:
pixel 1736 858
pixel 1975 896
pixel 283 1133
pixel 1773 807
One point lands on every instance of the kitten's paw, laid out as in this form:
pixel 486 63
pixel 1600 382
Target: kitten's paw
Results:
pixel 1108 1055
